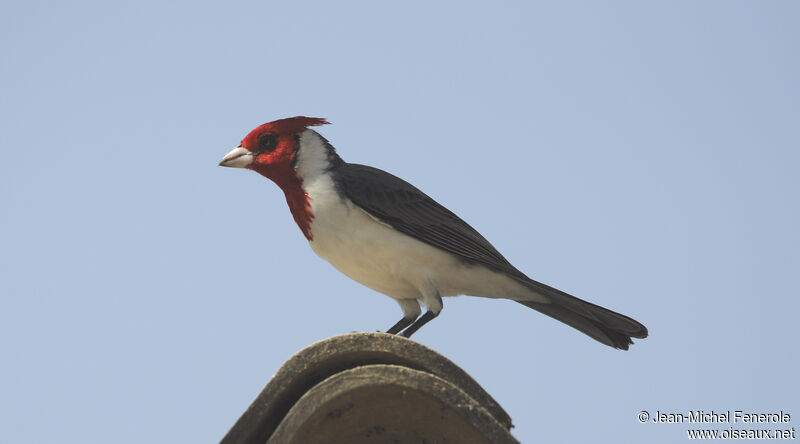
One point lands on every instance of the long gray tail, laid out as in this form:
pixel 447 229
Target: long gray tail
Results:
pixel 604 325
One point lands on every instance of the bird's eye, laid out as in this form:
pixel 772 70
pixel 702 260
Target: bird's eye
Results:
pixel 267 142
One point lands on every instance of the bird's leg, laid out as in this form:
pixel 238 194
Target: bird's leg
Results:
pixel 433 301
pixel 411 312
pixel 424 319
pixel 401 324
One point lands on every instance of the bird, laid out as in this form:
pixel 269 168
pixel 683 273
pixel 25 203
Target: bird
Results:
pixel 386 234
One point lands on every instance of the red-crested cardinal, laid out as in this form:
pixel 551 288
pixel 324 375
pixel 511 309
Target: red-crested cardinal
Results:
pixel 386 234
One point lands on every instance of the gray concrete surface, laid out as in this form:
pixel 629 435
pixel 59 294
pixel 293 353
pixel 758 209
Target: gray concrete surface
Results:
pixel 371 388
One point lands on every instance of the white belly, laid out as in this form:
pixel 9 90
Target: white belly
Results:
pixel 387 261
pixel 374 254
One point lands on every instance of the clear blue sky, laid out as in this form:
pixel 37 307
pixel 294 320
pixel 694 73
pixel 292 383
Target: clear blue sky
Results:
pixel 640 155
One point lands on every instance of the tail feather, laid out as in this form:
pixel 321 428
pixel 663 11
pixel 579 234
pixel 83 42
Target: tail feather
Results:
pixel 606 326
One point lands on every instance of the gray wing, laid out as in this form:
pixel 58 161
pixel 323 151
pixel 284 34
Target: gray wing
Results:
pixel 410 211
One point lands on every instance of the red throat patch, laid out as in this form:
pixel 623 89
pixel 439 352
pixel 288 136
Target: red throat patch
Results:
pixel 300 206
pixel 292 185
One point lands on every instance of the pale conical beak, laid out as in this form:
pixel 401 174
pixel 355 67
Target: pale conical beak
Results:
pixel 238 157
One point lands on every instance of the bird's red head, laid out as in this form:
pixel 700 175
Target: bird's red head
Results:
pixel 270 150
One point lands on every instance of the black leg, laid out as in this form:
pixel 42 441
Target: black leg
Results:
pixel 401 324
pixel 424 319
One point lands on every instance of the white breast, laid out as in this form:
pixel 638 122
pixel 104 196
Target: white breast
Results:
pixel 368 251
